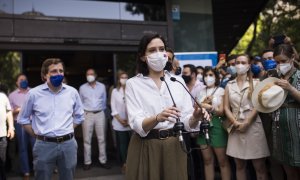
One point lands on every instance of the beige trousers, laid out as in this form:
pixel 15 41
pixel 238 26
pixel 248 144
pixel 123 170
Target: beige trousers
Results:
pixel 93 121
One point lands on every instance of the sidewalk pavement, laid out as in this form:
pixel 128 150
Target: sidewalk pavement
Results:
pixel 95 173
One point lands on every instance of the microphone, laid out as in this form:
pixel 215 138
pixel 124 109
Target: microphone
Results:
pixel 205 124
pixel 163 79
pixel 175 80
pixel 178 126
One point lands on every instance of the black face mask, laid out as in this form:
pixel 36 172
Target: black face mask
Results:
pixel 187 79
pixel 178 71
pixel 168 66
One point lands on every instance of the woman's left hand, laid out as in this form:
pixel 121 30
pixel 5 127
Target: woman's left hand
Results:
pixel 200 113
pixel 243 126
pixel 284 84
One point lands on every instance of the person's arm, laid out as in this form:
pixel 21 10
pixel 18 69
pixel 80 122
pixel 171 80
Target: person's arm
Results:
pixel 291 89
pixel 78 113
pixel 207 106
pixel 295 94
pixel 199 115
pixel 10 122
pixel 113 106
pixel 16 111
pixel 121 121
pixel 25 114
pixel 104 96
pixel 220 64
pixel 151 122
pixel 227 110
pixel 136 115
pixel 28 129
pixel 219 110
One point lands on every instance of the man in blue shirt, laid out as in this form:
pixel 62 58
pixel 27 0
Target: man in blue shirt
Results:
pixel 93 97
pixel 50 113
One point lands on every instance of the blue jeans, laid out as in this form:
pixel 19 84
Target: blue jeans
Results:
pixel 47 155
pixel 23 141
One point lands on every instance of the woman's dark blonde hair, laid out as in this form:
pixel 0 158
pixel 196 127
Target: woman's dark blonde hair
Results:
pixel 249 75
pixel 120 73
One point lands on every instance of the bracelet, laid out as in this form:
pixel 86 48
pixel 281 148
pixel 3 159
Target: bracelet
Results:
pixel 156 117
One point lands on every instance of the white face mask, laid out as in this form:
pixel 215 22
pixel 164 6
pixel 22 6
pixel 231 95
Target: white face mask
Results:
pixel 157 61
pixel 209 80
pixel 242 69
pixel 200 77
pixel 90 78
pixel 123 81
pixel 284 68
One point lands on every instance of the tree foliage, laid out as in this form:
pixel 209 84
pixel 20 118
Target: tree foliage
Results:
pixel 278 17
pixel 9 69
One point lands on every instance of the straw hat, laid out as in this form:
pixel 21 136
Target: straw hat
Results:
pixel 267 96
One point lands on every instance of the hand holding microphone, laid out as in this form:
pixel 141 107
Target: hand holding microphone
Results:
pixel 199 113
pixel 168 114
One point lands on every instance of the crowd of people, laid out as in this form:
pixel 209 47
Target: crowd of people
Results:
pixel 242 113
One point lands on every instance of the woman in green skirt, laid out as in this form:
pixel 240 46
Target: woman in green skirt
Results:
pixel 211 98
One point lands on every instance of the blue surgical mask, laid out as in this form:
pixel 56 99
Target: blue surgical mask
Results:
pixel 269 64
pixel 256 69
pixel 24 84
pixel 56 80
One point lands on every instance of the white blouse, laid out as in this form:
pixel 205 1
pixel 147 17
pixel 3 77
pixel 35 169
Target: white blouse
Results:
pixel 144 99
pixel 118 107
pixel 217 95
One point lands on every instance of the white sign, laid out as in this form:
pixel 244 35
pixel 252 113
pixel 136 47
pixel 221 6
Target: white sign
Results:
pixel 197 58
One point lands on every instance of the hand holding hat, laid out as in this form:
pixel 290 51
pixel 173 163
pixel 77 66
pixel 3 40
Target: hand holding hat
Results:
pixel 268 95
pixel 284 84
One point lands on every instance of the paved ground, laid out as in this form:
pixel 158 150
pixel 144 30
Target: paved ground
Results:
pixel 95 173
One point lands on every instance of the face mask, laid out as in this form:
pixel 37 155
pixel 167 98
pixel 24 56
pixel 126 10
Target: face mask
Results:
pixel 209 80
pixel 24 84
pixel 269 64
pixel 285 68
pixel 123 81
pixel 157 61
pixel 187 79
pixel 256 69
pixel 231 70
pixel 200 77
pixel 56 80
pixel 178 71
pixel 90 78
pixel 168 66
pixel 242 69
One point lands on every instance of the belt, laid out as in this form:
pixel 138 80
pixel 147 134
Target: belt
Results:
pixel 58 139
pixel 94 112
pixel 160 134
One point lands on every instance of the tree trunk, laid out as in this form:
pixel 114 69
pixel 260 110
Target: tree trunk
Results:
pixel 250 45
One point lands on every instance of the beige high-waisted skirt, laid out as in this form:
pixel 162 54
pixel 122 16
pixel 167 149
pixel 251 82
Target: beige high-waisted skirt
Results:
pixel 155 159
